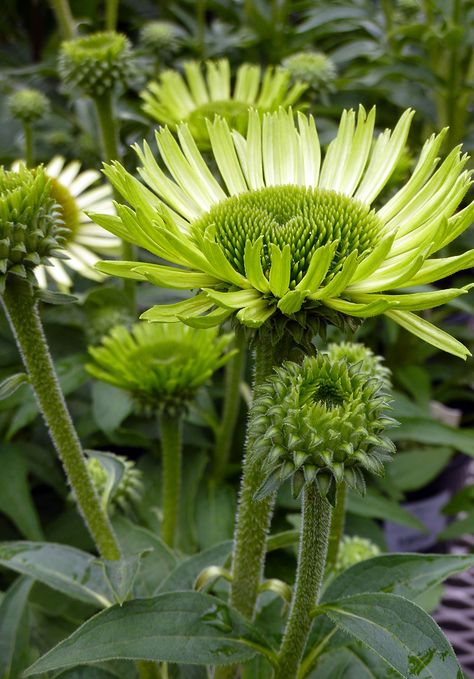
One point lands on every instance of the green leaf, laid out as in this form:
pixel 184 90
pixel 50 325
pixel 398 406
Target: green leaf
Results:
pixel 185 574
pixel 215 514
pixel 13 628
pixel 66 569
pixel 52 297
pixel 110 406
pixel 458 528
pixel 15 495
pixel 377 506
pixel 398 631
pixel 407 575
pixel 177 627
pixel 11 384
pixel 413 469
pixel 352 662
pixel 121 574
pixel 157 565
pixel 432 432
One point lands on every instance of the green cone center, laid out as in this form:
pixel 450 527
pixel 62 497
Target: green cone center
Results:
pixel 304 218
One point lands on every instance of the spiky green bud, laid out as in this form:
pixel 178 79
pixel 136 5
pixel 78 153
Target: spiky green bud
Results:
pixel 159 36
pixel 117 481
pixel 313 68
pixel 330 429
pixel 364 359
pixel 28 105
pixel 96 64
pixel 31 229
pixel 161 366
pixel 354 549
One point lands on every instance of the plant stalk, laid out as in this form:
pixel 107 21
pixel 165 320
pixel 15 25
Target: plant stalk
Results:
pixel 22 313
pixel 29 155
pixel 337 525
pixel 315 522
pixel 64 18
pixel 111 14
pixel 171 447
pixel 225 435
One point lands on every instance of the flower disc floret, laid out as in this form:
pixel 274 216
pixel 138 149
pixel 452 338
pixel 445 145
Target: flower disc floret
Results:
pixel 161 366
pixel 322 421
pixel 197 98
pixel 280 237
pixel 28 105
pixel 31 229
pixel 313 68
pixel 97 63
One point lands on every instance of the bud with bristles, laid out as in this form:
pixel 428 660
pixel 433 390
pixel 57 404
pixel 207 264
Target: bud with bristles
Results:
pixel 354 549
pixel 28 105
pixel 313 68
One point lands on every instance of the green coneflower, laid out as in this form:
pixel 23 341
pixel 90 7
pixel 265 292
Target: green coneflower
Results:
pixel 197 99
pixel 28 105
pixel 320 422
pixel 285 236
pixel 74 192
pixel 162 367
pixel 315 69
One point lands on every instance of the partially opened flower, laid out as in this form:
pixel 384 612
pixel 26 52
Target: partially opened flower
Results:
pixel 74 192
pixel 196 99
pixel 161 366
pixel 321 421
pixel 285 237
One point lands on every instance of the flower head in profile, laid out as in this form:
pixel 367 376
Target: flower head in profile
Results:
pixel 117 481
pixel 28 105
pixel 74 192
pixel 323 422
pixel 286 237
pixel 313 68
pixel 196 98
pixel 31 228
pixel 161 366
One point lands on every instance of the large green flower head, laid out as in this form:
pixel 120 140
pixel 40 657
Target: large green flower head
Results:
pixel 97 63
pixel 314 68
pixel 161 366
pixel 31 229
pixel 286 237
pixel 322 421
pixel 28 105
pixel 196 98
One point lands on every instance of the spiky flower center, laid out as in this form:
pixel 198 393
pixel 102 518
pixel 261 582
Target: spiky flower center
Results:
pixel 304 218
pixel 68 207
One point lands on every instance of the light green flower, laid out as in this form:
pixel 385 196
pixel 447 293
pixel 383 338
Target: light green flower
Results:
pixel 161 366
pixel 196 99
pixel 285 235
pixel 322 421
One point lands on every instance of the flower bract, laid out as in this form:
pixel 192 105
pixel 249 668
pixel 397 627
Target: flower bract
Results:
pixel 196 98
pixel 321 421
pixel 286 234
pixel 161 366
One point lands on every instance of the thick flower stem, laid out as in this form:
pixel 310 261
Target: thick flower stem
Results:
pixel 315 523
pixel 64 18
pixel 110 145
pixel 29 155
pixel 22 312
pixel 337 525
pixel 233 377
pixel 171 445
pixel 111 15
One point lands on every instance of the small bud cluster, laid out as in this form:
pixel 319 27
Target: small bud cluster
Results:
pixel 31 229
pixel 159 36
pixel 97 63
pixel 323 422
pixel 28 105
pixel 354 549
pixel 117 482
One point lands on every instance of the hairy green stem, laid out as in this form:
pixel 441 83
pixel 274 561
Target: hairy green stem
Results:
pixel 233 377
pixel 29 155
pixel 111 14
pixel 22 312
pixel 171 447
pixel 313 547
pixel 337 525
pixel 64 18
pixel 110 144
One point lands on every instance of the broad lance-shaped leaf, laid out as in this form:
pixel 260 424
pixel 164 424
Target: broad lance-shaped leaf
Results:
pixel 407 575
pixel 67 569
pixel 15 493
pixel 178 627
pixel 400 632
pixel 185 574
pixel 13 639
